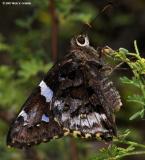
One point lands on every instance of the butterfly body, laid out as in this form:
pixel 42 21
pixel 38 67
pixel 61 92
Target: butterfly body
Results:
pixel 75 98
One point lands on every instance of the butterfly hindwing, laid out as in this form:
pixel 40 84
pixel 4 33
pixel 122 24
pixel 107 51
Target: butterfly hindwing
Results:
pixel 79 108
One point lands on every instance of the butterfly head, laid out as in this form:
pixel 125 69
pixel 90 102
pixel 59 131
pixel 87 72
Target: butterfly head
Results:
pixel 80 41
pixel 81 47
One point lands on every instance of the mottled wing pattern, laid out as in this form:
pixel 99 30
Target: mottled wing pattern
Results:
pixel 107 94
pixel 75 98
pixel 79 102
pixel 35 123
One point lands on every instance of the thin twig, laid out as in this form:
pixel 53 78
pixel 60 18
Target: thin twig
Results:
pixel 130 154
pixel 54 30
pixel 130 143
pixel 136 48
pixel 73 149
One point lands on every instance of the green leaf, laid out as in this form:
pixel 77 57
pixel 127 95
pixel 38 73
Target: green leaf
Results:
pixel 142 113
pixel 121 54
pixel 136 115
pixel 123 50
pixel 6 72
pixel 32 67
pixel 132 81
pixel 4 47
pixel 136 99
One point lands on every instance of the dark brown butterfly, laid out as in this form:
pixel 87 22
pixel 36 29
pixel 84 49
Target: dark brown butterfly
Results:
pixel 75 98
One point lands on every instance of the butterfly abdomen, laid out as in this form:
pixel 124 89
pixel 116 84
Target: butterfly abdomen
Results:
pixel 111 94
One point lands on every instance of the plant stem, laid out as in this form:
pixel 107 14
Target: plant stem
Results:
pixel 130 143
pixel 130 154
pixel 136 48
pixel 54 30
pixel 142 88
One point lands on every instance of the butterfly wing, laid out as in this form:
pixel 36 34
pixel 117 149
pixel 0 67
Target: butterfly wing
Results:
pixel 81 104
pixel 69 100
pixel 35 122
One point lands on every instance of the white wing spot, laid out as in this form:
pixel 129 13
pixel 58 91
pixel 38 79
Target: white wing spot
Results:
pixel 65 116
pixel 103 116
pixel 46 91
pixel 94 118
pixel 58 103
pixel 45 118
pixel 98 116
pixel 84 122
pixel 23 114
pixel 25 117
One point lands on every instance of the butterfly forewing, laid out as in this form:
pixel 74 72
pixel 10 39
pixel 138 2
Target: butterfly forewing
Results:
pixel 35 122
pixel 75 98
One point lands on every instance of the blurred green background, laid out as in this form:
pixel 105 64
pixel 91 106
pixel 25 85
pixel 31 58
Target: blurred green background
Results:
pixel 33 37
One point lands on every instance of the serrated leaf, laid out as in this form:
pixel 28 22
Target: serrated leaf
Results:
pixel 136 115
pixel 138 66
pixel 32 67
pixel 132 81
pixel 6 72
pixel 137 99
pixel 142 113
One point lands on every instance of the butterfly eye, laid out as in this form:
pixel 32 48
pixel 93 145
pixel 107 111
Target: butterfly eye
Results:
pixel 82 41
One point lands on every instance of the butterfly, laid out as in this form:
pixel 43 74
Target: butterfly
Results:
pixel 75 98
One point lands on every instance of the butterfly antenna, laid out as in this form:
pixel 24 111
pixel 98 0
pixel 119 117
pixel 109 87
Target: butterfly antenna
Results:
pixel 88 25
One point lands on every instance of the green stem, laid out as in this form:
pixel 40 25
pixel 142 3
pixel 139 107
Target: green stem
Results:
pixel 136 48
pixel 130 154
pixel 134 144
pixel 130 143
pixel 142 88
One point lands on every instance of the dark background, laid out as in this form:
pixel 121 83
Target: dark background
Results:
pixel 33 37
